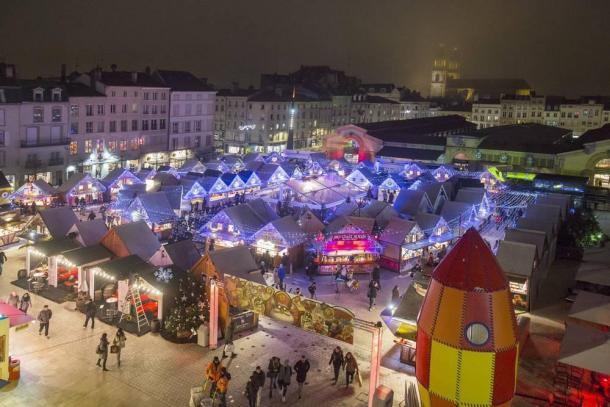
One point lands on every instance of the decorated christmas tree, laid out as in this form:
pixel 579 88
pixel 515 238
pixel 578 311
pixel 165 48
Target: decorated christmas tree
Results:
pixel 186 315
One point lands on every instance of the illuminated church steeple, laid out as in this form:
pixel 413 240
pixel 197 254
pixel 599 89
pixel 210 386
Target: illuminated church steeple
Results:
pixel 445 66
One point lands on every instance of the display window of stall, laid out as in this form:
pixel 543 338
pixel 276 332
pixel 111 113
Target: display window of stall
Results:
pixel 389 185
pixel 350 246
pixel 519 289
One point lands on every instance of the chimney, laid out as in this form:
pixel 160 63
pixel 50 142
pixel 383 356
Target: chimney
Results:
pixel 134 77
pixel 63 72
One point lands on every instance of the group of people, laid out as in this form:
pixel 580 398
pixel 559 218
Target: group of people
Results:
pixel 347 362
pixel 23 303
pixel 217 377
pixel 103 347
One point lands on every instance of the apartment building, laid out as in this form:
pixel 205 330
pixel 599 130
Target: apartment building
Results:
pixel 231 128
pixel 191 127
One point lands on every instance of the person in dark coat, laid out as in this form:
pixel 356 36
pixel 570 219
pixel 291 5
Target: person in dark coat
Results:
pixel 284 377
pixel 44 318
pixel 272 372
pixel 90 312
pixel 250 392
pixel 3 259
pixel 26 302
pixel 395 296
pixel 336 359
pixel 372 293
pixel 301 368
pixel 376 275
pixel 102 352
pixel 259 381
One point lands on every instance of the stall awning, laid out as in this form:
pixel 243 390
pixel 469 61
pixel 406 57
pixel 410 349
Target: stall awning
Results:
pixel 87 255
pixel 54 247
pixel 17 317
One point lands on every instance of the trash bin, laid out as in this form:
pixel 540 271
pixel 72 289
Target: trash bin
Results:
pixel 155 326
pixel 384 396
pixel 14 370
pixel 203 335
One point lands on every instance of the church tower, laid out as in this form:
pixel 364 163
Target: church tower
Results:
pixel 445 66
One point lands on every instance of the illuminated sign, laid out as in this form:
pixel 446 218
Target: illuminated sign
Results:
pixel 247 127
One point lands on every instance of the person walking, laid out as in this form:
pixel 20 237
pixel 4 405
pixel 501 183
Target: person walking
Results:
pixel 259 381
pixel 102 352
pixel 283 378
pixel 301 368
pixel 372 293
pixel 251 391
pixel 119 343
pixel 90 312
pixel 44 318
pixel 13 299
pixel 281 274
pixel 3 259
pixel 227 351
pixel 212 374
pixel 272 371
pixel 26 302
pixel 351 368
pixel 376 276
pixel 395 296
pixel 337 361
pixel 312 289
pixel 222 386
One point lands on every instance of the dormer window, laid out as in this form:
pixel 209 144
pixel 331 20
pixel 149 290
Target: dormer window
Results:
pixel 38 95
pixel 56 95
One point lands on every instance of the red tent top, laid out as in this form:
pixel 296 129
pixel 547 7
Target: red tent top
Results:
pixel 470 266
pixel 15 316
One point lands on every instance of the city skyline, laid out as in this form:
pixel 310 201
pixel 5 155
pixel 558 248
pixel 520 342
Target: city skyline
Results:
pixel 398 45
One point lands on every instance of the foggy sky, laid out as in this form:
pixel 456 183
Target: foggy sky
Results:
pixel 559 46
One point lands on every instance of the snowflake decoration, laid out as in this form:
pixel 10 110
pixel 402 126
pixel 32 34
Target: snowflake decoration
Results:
pixel 164 274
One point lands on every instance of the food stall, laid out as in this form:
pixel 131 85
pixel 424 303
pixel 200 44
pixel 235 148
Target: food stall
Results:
pixel 279 237
pixel 81 187
pixel 351 245
pixel 37 192
pixel 402 242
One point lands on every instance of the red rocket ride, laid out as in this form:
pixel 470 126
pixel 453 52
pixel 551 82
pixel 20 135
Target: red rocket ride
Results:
pixel 467 331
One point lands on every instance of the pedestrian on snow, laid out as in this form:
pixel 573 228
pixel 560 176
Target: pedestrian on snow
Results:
pixel 119 342
pixel 312 289
pixel 283 378
pixel 395 296
pixel 259 381
pixel 272 372
pixel 26 302
pixel 44 318
pixel 102 352
pixel 301 368
pixel 250 392
pixel 337 361
pixel 13 299
pixel 222 386
pixel 351 368
pixel 281 274
pixel 3 259
pixel 212 374
pixel 297 292
pixel 90 312
pixel 372 293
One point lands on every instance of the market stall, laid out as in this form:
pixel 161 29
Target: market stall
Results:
pixel 520 263
pixel 279 237
pixel 11 225
pixel 349 242
pixel 81 188
pixel 116 180
pixel 192 165
pixel 155 209
pixel 252 183
pixel 194 195
pixel 74 266
pixel 402 242
pixel 39 193
pixel 216 188
pixel 437 231
pixel 443 173
pixel 234 184
pixel 41 264
pixel 390 187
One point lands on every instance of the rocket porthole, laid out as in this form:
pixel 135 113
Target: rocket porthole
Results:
pixel 477 334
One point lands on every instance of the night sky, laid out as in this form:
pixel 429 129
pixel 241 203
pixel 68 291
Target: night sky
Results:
pixel 559 46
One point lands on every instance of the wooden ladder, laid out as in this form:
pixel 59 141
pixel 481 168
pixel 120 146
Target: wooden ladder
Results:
pixel 133 297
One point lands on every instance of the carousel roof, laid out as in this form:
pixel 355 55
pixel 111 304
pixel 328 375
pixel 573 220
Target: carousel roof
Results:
pixel 58 220
pixel 470 266
pixel 87 255
pixel 91 232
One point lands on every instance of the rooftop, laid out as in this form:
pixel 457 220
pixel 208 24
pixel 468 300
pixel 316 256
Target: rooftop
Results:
pixel 529 137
